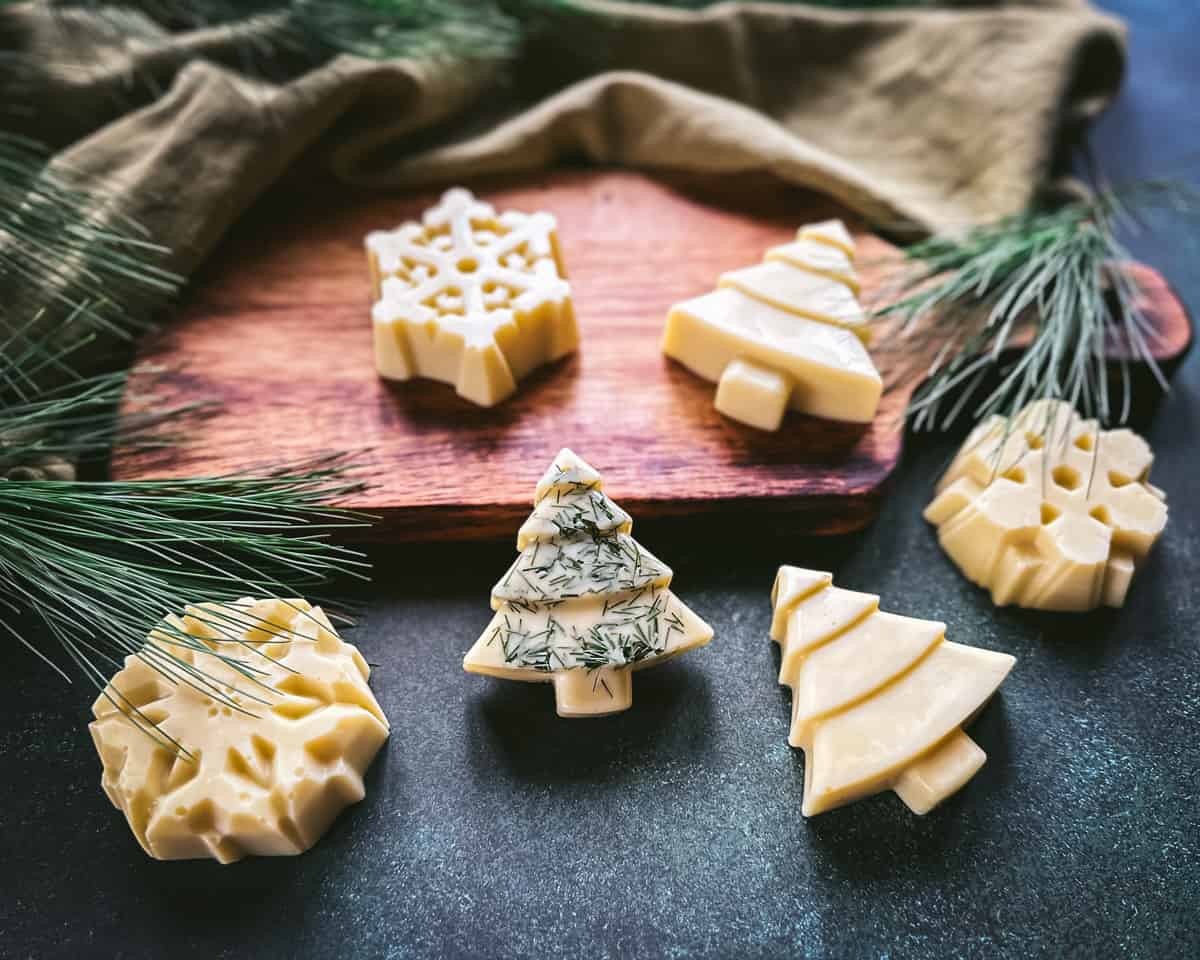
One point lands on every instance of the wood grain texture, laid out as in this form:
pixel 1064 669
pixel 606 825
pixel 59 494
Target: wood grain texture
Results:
pixel 277 328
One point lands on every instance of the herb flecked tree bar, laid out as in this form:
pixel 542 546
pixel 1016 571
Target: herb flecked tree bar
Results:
pixel 278 329
pixel 584 604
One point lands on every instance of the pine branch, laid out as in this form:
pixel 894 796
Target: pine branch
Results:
pixel 71 269
pixel 99 564
pixel 422 29
pixel 49 436
pixel 93 567
pixel 1048 281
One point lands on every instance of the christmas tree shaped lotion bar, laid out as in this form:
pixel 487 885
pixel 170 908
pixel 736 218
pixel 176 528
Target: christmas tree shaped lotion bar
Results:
pixel 787 332
pixel 878 700
pixel 584 605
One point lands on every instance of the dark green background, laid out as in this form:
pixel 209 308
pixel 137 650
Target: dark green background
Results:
pixel 491 828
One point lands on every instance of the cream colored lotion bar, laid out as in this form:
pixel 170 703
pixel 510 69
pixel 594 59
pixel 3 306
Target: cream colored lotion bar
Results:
pixel 878 700
pixel 1049 511
pixel 584 605
pixel 813 367
pixel 471 298
pixel 263 769
pixel 786 333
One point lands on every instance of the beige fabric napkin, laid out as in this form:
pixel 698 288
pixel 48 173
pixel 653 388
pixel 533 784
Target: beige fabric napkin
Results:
pixel 934 117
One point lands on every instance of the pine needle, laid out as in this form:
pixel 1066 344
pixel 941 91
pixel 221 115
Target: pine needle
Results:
pixel 77 422
pixel 421 29
pixel 71 270
pixel 99 564
pixel 1047 281
pixel 88 569
pixel 62 239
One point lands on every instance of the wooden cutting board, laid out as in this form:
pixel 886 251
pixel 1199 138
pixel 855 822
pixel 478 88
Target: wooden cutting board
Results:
pixel 277 329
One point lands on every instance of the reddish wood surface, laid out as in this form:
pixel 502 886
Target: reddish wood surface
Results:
pixel 277 329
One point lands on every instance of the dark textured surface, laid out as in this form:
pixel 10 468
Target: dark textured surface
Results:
pixel 493 829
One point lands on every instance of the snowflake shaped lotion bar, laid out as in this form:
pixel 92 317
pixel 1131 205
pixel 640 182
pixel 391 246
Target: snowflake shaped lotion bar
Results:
pixel 1049 512
pixel 584 605
pixel 787 332
pixel 878 700
pixel 471 298
pixel 269 762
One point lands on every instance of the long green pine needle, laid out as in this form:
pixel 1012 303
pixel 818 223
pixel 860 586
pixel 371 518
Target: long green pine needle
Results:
pixel 1048 281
